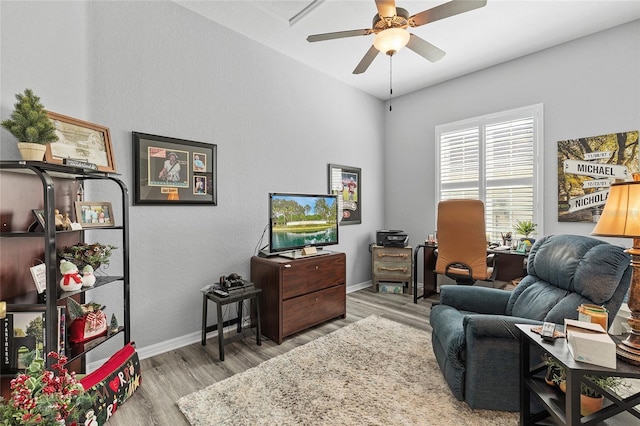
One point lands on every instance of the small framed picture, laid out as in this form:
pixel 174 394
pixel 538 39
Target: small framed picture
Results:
pixel 39 215
pixel 522 247
pixel 96 214
pixel 39 274
pixel 80 140
pixel 200 185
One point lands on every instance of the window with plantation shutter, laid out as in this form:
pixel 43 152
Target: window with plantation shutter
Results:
pixel 494 158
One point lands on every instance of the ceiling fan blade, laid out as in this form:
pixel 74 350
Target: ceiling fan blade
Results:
pixel 425 49
pixel 386 8
pixel 445 10
pixel 366 60
pixel 339 34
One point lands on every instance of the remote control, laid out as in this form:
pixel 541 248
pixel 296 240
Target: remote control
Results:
pixel 548 329
pixel 220 293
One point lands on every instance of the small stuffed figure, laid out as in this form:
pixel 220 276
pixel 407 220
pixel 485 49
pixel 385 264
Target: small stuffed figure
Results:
pixel 59 220
pixel 71 280
pixel 88 279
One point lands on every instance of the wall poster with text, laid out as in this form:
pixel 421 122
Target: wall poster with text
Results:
pixel 586 169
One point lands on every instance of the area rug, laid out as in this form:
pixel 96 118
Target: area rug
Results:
pixel 372 372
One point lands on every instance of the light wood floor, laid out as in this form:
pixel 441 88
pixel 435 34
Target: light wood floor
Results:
pixel 169 376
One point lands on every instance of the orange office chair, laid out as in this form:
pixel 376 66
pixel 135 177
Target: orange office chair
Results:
pixel 462 242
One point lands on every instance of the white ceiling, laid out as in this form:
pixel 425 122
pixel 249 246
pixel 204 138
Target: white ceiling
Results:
pixel 500 31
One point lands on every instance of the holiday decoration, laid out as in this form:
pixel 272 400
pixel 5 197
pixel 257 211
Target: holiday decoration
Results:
pixel 112 384
pixel 88 321
pixel 40 396
pixel 71 280
pixel 114 326
pixel 88 279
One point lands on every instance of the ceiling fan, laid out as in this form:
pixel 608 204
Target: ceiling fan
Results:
pixel 390 27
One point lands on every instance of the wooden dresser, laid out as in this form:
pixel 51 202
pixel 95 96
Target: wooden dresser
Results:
pixel 299 293
pixel 392 264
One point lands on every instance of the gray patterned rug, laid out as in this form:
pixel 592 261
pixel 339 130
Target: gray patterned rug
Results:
pixel 373 372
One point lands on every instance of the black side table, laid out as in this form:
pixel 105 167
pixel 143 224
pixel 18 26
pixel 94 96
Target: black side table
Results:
pixel 249 292
pixel 565 409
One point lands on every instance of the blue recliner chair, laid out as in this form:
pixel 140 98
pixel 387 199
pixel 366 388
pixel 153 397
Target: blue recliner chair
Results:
pixel 474 337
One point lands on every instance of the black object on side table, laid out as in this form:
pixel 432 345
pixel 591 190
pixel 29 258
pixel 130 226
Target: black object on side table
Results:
pixel 239 295
pixel 565 409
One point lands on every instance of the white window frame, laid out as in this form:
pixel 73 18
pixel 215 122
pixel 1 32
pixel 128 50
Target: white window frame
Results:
pixel 535 111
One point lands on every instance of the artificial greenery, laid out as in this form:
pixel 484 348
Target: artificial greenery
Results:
pixel 83 254
pixel 558 377
pixel 45 397
pixel 29 121
pixel 525 227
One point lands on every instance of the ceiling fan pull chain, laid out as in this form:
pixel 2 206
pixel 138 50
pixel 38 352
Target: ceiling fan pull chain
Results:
pixel 390 79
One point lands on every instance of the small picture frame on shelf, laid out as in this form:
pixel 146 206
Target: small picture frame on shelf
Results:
pixel 94 214
pixel 40 221
pixel 39 274
pixel 39 215
pixel 80 141
pixel 521 248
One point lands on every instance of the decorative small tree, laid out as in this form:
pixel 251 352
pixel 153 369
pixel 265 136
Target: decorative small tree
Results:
pixel 29 121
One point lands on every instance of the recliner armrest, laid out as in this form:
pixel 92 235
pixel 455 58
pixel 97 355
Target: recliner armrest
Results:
pixel 496 326
pixel 482 300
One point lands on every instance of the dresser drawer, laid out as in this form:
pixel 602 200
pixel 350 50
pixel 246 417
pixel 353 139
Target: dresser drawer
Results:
pixel 313 274
pixel 304 311
pixel 393 254
pixel 392 270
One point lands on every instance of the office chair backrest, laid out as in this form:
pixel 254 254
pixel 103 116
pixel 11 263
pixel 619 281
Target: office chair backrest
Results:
pixel 462 237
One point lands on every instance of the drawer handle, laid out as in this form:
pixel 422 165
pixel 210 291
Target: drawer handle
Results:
pixel 287 265
pixel 402 255
pixel 384 268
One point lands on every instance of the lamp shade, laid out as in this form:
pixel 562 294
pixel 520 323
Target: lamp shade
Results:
pixel 621 214
pixel 391 40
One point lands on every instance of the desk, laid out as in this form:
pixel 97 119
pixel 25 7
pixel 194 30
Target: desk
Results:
pixel 511 265
pixel 248 293
pixel 565 409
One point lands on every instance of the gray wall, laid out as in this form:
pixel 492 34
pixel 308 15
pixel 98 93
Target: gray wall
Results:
pixel 156 67
pixel 588 87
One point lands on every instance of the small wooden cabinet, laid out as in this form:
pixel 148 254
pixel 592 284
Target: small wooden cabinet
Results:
pixel 392 264
pixel 299 293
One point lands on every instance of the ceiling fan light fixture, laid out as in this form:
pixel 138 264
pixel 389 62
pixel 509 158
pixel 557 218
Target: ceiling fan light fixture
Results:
pixel 391 40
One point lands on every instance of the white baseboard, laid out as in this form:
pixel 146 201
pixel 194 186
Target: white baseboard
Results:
pixel 355 287
pixel 188 339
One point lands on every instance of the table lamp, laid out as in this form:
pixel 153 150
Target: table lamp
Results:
pixel 621 218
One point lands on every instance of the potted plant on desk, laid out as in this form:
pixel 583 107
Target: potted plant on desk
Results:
pixel 590 399
pixel 526 228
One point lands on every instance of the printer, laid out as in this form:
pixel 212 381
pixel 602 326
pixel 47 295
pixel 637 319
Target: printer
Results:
pixel 391 238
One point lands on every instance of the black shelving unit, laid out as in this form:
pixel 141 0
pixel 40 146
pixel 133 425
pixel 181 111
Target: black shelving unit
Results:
pixel 47 174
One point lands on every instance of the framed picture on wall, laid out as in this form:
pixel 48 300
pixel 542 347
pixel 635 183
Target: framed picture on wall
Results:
pixel 346 183
pixel 171 171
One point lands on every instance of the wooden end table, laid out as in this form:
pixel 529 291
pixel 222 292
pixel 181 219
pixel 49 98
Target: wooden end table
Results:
pixel 565 409
pixel 249 292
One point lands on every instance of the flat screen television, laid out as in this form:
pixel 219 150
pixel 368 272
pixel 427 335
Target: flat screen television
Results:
pixel 302 220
